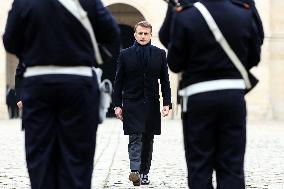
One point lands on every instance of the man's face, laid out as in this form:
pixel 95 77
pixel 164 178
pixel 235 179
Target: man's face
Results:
pixel 143 35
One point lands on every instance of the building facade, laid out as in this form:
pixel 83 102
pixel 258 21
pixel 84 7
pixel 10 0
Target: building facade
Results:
pixel 266 101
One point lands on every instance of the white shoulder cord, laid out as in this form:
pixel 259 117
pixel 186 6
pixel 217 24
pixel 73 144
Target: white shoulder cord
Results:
pixel 223 42
pixel 75 8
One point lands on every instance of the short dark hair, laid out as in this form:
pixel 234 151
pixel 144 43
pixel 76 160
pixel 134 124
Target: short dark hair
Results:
pixel 143 24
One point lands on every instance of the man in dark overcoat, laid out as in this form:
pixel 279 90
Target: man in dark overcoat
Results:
pixel 60 91
pixel 213 89
pixel 136 98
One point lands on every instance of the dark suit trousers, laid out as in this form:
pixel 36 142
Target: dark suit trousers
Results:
pixel 60 121
pixel 140 150
pixel 214 129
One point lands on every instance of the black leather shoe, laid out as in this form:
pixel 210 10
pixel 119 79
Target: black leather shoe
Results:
pixel 144 179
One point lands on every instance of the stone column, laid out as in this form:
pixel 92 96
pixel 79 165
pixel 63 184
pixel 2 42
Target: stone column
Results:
pixel 276 39
pixel 258 100
pixel 5 6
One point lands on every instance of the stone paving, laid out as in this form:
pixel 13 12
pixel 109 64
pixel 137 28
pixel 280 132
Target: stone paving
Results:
pixel 264 161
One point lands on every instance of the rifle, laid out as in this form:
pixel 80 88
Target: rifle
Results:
pixel 180 6
pixel 173 3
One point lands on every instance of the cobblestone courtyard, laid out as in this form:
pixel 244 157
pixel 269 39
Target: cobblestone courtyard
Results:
pixel 264 157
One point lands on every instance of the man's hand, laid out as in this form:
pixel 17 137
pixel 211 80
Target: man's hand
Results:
pixel 165 111
pixel 20 105
pixel 118 112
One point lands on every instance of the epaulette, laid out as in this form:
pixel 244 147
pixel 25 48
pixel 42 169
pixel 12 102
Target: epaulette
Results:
pixel 242 4
pixel 183 7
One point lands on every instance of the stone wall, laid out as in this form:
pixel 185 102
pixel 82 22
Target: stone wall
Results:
pixel 276 58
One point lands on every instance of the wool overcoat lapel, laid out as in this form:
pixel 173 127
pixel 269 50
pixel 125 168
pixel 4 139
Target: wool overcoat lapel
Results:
pixel 139 62
pixel 150 62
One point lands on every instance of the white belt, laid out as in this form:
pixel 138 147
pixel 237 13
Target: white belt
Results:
pixel 69 70
pixel 207 86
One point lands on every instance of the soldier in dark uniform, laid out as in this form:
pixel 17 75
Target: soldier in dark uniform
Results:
pixel 214 116
pixel 136 98
pixel 60 92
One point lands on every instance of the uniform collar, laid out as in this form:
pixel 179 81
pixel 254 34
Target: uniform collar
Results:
pixel 213 0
